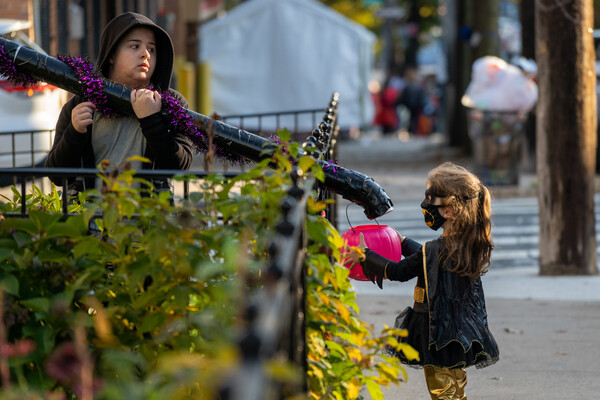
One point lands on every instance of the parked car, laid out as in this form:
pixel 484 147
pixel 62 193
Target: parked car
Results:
pixel 27 115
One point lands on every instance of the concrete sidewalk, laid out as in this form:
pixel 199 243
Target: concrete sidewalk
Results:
pixel 547 328
pixel 549 350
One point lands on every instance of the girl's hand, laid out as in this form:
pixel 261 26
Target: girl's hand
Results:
pixel 145 102
pixel 362 244
pixel 399 235
pixel 82 116
pixel 356 254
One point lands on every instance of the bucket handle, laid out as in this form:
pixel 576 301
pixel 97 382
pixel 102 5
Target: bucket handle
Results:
pixel 348 219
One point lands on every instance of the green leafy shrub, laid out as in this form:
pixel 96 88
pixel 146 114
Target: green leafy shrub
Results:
pixel 151 304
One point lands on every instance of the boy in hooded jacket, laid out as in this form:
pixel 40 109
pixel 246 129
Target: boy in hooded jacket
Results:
pixel 136 53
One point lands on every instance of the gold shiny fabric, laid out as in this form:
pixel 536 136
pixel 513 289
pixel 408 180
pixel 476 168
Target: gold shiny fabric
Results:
pixel 446 383
pixel 419 295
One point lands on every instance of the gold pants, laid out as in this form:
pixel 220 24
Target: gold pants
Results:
pixel 446 383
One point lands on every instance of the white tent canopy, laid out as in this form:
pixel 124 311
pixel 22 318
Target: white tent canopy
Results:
pixel 284 55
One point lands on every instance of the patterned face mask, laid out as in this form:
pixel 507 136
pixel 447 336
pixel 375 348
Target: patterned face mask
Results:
pixel 431 213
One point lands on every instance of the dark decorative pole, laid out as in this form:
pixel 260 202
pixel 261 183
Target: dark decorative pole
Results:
pixel 351 185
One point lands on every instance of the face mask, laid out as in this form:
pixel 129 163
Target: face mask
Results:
pixel 433 218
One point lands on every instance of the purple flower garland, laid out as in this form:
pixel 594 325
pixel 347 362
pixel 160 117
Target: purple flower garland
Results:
pixel 92 84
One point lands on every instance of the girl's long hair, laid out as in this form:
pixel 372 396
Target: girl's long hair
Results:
pixel 468 236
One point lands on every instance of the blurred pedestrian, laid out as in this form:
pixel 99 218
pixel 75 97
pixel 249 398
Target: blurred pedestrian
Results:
pixel 386 115
pixel 413 98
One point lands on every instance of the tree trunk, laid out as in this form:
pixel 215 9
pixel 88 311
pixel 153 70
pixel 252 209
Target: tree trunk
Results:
pixel 528 51
pixel 566 137
pixel 459 72
pixel 485 22
pixel 412 48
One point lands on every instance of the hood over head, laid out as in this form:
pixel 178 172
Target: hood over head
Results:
pixel 122 24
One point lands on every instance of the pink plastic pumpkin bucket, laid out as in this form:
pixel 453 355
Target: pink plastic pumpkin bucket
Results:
pixel 382 239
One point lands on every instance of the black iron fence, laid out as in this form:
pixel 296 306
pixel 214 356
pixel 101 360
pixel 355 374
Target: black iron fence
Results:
pixel 298 122
pixel 25 148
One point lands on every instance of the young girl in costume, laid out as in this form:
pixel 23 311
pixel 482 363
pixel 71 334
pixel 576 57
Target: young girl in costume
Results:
pixel 448 323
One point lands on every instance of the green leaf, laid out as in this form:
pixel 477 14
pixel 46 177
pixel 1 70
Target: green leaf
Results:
pixel 110 217
pixel 43 220
pixel 317 233
pixel 152 322
pixel 90 211
pixel 42 334
pixel 333 346
pixel 147 298
pixel 79 222
pixel 138 271
pixel 374 389
pixel 37 304
pixel 48 255
pixel 63 230
pixel 89 246
pixel 18 224
pixel 79 282
pixel 319 174
pixel 10 284
pixel 181 296
pixel 5 253
pixel 284 134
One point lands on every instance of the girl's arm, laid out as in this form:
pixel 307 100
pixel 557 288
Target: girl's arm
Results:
pixel 410 246
pixel 403 270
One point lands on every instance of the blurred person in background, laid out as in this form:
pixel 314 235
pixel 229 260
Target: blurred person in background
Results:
pixel 386 115
pixel 413 98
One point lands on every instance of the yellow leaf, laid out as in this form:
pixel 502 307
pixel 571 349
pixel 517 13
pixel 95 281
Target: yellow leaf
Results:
pixel 337 241
pixel 305 162
pixel 342 310
pixel 389 371
pixel 317 372
pixel 324 298
pixel 138 158
pixel 354 388
pixel 318 347
pixel 359 338
pixel 409 351
pixel 354 354
pixel 315 206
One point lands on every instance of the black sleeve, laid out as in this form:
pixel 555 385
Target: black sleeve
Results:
pixel 69 145
pixel 409 246
pixel 169 149
pixel 403 270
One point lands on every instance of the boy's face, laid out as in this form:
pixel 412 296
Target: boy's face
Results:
pixel 134 59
